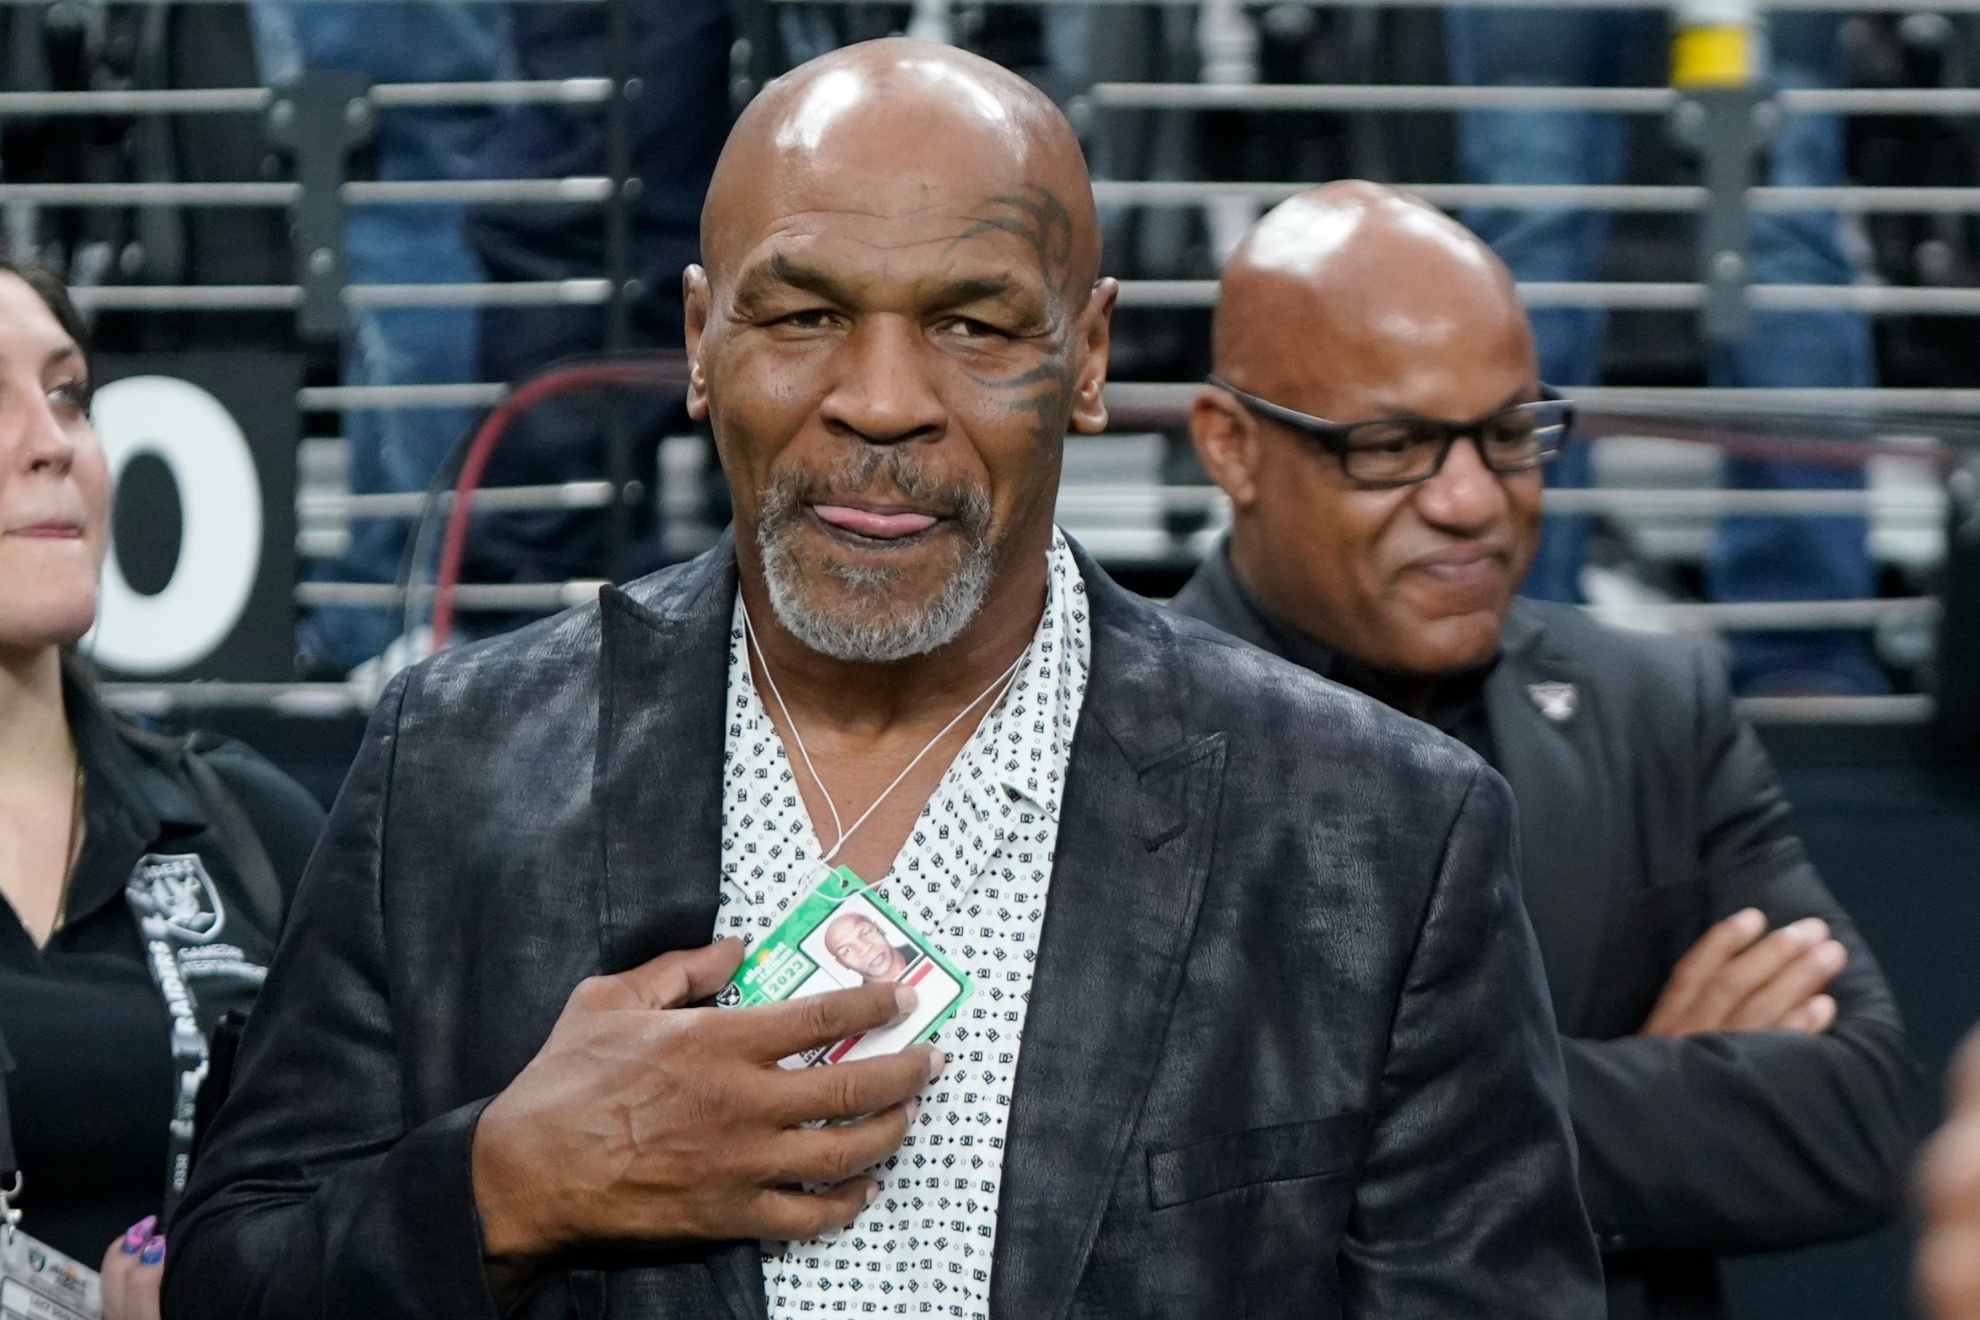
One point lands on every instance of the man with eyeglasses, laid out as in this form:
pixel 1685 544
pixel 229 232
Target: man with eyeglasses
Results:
pixel 1738 1075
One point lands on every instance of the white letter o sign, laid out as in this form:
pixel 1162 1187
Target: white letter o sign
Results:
pixel 220 542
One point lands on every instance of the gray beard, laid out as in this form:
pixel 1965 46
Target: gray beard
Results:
pixel 873 625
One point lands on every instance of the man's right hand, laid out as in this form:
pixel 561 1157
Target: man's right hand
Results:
pixel 643 1119
pixel 1735 980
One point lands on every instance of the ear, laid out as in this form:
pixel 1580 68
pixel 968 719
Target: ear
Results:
pixel 1095 330
pixel 696 302
pixel 1227 444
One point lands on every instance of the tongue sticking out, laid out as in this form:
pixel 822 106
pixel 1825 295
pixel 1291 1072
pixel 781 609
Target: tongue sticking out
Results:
pixel 879 526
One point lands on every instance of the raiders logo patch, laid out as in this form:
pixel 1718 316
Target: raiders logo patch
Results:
pixel 1555 700
pixel 174 893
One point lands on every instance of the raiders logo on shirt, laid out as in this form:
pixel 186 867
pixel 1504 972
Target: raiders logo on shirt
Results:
pixel 175 890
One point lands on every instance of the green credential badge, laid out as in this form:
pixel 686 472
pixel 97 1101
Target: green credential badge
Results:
pixel 843 934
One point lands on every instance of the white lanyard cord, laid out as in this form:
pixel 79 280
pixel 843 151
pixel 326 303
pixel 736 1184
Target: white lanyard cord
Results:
pixel 846 832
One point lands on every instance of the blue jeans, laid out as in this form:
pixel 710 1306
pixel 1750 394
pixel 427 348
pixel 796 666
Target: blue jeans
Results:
pixel 1781 558
pixel 396 450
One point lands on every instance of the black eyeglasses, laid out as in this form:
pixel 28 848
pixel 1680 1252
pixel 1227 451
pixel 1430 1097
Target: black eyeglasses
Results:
pixel 1401 451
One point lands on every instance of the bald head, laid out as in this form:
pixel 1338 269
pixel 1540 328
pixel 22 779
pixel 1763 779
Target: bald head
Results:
pixel 888 122
pixel 1355 282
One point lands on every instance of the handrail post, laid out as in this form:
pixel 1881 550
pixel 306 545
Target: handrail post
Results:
pixel 1958 659
pixel 1229 43
pixel 1727 115
pixel 318 119
pixel 627 290
pixel 931 20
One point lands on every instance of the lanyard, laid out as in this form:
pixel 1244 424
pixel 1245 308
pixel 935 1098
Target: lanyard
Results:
pixel 10 1165
pixel 177 908
pixel 844 832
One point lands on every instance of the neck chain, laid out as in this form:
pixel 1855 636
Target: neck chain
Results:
pixel 70 853
pixel 843 832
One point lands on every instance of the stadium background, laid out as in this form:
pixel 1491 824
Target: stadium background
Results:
pixel 201 215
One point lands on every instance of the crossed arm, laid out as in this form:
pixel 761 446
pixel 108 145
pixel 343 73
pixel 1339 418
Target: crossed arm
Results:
pixel 1769 1099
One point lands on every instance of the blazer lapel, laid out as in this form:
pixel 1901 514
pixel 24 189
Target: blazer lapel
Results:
pixel 1544 729
pixel 1133 853
pixel 663 680
pixel 664 677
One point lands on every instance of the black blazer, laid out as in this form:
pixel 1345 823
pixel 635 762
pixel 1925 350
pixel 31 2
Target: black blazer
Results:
pixel 1646 814
pixel 1288 1050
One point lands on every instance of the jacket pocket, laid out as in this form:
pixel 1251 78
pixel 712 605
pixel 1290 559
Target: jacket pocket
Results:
pixel 1323 1148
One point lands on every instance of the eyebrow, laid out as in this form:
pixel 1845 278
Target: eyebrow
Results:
pixel 783 269
pixel 70 352
pixel 978 288
pixel 1517 398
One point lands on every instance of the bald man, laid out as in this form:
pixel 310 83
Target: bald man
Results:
pixel 1256 1026
pixel 1738 1075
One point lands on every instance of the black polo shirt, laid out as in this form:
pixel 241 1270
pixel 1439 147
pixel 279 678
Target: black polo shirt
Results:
pixel 93 1079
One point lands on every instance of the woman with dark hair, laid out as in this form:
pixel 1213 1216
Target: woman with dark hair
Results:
pixel 144 876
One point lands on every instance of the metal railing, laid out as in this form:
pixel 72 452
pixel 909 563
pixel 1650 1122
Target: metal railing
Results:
pixel 1852 6
pixel 278 297
pixel 317 121
pixel 236 100
pixel 1159 404
pixel 494 597
pixel 1439 97
pixel 611 288
pixel 1926 505
pixel 330 700
pixel 1646 295
pixel 345 398
pixel 1622 197
pixel 384 192
pixel 486 499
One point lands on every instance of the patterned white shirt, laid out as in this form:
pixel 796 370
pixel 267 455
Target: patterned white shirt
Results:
pixel 972 879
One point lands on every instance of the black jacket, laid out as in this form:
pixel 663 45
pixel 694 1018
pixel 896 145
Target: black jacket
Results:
pixel 1646 814
pixel 1288 1051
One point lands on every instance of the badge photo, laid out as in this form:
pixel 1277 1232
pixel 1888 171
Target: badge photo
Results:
pixel 859 944
pixel 842 935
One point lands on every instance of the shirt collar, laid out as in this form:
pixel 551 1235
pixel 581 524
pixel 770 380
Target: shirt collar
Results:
pixel 1054 674
pixel 1233 600
pixel 1459 696
pixel 133 801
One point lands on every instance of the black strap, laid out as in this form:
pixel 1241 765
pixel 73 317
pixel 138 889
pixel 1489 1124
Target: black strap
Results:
pixel 10 1165
pixel 238 840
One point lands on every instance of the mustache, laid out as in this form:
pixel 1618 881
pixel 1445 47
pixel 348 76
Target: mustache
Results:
pixel 964 501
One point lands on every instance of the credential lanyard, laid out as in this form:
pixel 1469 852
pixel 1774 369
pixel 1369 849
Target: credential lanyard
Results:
pixel 159 927
pixel 10 1165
